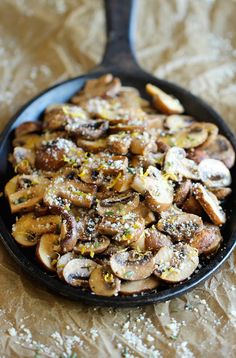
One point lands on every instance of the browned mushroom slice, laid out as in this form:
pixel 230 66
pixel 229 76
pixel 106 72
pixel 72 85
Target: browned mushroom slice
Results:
pixel 111 225
pixel 93 247
pixel 57 116
pixel 220 149
pixel 104 86
pixel 138 244
pixel 29 141
pixel 207 240
pixel 62 261
pixel 131 126
pixel 28 127
pixel 176 263
pixel 135 287
pixel 177 166
pixel 154 123
pixel 46 251
pixel 119 204
pixel 77 271
pixel 210 204
pixel 113 165
pixel 122 182
pixel 180 226
pixel 177 122
pixel 221 193
pixel 25 200
pixel 68 234
pixel 132 265
pixel 159 191
pixel 52 155
pixel 89 129
pixel 182 192
pixel 213 131
pixel 191 137
pixel 148 215
pixel 23 160
pixel 29 228
pixel 142 143
pixel 131 233
pixel 60 193
pixel 192 206
pixel 214 173
pixel 155 239
pixel 119 143
pixel 163 101
pixel 95 146
pixel 103 282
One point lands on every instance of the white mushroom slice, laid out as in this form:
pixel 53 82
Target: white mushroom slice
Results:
pixel 103 282
pixel 213 131
pixel 148 215
pixel 29 228
pixel 210 204
pixel 221 193
pixel 77 271
pixel 132 265
pixel 111 224
pixel 46 251
pixel 119 143
pixel 92 248
pixel 89 129
pixel 214 173
pixel 182 192
pixel 177 122
pixel 191 137
pixel 135 287
pixel 119 205
pixel 113 165
pixel 138 244
pixel 177 166
pixel 123 182
pixel 180 226
pixel 131 233
pixel 154 123
pixel 176 263
pixel 25 200
pixel 93 146
pixel 158 190
pixel 207 240
pixel 142 143
pixel 155 239
pixel 163 101
pixel 62 261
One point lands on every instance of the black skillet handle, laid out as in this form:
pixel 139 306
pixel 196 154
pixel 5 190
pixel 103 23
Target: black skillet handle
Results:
pixel 119 51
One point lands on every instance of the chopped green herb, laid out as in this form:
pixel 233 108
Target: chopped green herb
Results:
pixel 109 213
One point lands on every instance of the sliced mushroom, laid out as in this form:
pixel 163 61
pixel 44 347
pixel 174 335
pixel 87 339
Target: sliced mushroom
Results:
pixel 163 101
pixel 123 181
pixel 46 251
pixel 23 160
pixel 29 141
pixel 182 192
pixel 132 265
pixel 220 149
pixel 221 193
pixel 180 226
pixel 135 287
pixel 155 239
pixel 57 116
pixel 77 271
pixel 29 228
pixel 119 143
pixel 192 206
pixel 103 282
pixel 177 122
pixel 176 263
pixel 158 190
pixel 68 234
pixel 177 166
pixel 193 136
pixel 130 127
pixel 138 244
pixel 104 86
pixel 148 215
pixel 207 240
pixel 27 128
pixel 119 205
pixel 214 173
pixel 210 204
pixel 95 146
pixel 131 233
pixel 154 123
pixel 142 143
pixel 62 261
pixel 113 165
pixel 53 155
pixel 89 129
pixel 111 224
pixel 213 131
pixel 92 248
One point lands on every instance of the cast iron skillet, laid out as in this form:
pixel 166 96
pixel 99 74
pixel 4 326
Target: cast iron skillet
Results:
pixel 120 61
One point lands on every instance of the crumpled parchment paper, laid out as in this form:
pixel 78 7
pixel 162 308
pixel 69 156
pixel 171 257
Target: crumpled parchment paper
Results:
pixel 189 42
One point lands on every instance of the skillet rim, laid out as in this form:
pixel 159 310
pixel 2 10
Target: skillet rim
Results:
pixel 52 282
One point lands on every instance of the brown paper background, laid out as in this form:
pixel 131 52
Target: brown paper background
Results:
pixel 189 42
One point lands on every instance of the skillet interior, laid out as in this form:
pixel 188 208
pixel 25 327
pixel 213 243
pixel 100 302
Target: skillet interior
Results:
pixel 25 257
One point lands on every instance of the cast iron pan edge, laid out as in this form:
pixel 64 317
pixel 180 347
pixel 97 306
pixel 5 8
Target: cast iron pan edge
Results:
pixel 119 60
